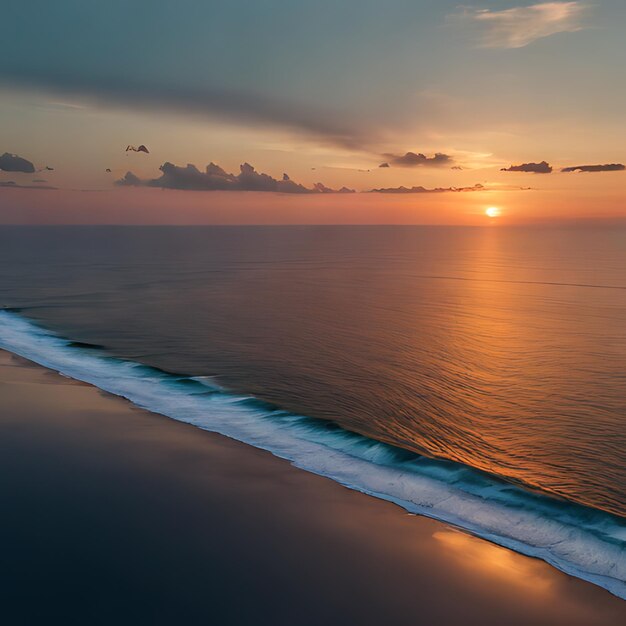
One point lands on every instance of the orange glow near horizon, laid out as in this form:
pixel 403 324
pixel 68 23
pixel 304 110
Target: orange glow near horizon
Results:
pixel 477 192
pixel 161 206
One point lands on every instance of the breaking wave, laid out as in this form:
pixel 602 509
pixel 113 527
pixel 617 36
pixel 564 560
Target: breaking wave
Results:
pixel 581 541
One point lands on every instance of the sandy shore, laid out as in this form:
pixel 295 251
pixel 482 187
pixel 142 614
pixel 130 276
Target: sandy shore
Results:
pixel 112 515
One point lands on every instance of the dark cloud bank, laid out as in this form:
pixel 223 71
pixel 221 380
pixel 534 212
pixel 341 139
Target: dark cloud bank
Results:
pixel 214 178
pixel 536 168
pixel 238 106
pixel 607 167
pixel 13 163
pixel 413 159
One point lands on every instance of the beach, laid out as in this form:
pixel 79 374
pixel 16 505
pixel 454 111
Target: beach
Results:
pixel 115 515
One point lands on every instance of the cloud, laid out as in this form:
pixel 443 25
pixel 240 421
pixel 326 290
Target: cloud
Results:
pixel 13 163
pixel 11 184
pixel 476 187
pixel 519 26
pixel 412 159
pixel 536 168
pixel 607 167
pixel 238 106
pixel 129 180
pixel 320 188
pixel 214 178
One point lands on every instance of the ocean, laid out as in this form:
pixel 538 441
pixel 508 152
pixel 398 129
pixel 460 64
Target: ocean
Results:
pixel 474 375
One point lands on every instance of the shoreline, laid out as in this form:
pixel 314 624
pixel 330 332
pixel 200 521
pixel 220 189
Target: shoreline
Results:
pixel 586 544
pixel 142 518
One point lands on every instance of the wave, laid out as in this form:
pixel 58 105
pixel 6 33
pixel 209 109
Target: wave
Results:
pixel 581 541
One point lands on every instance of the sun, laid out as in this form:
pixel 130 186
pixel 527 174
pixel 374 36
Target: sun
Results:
pixel 493 211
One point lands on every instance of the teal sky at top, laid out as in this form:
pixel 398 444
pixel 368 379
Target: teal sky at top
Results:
pixel 349 68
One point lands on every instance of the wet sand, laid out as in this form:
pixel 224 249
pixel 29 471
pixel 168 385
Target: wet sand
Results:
pixel 113 515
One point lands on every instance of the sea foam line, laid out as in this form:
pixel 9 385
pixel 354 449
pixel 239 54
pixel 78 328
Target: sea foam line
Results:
pixel 581 541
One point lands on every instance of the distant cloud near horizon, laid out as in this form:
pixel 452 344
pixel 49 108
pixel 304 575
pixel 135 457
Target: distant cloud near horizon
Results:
pixel 518 27
pixel 417 159
pixel 420 189
pixel 214 178
pixel 536 168
pixel 14 163
pixel 11 184
pixel 607 167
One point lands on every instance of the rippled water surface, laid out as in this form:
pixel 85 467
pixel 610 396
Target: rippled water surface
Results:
pixel 503 349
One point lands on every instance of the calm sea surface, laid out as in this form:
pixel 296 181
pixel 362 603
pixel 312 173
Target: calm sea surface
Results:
pixel 502 349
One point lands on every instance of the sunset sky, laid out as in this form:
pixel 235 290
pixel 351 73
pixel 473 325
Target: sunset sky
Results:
pixel 447 96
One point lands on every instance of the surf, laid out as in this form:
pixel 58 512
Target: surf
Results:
pixel 581 541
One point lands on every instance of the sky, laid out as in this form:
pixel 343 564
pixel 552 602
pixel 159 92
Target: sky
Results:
pixel 428 111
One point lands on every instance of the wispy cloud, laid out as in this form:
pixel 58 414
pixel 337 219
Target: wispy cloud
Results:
pixel 420 189
pixel 476 187
pixel 519 26
pixel 237 106
pixel 11 184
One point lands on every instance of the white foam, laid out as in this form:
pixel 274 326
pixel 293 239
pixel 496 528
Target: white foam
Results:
pixel 583 542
